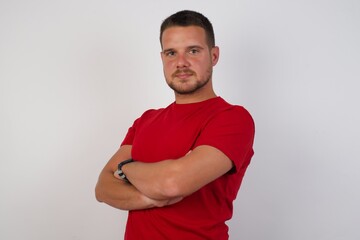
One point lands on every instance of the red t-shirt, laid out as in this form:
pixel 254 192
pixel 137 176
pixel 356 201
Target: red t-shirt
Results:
pixel 170 133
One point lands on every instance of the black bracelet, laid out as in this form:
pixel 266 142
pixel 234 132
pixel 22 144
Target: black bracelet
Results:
pixel 120 172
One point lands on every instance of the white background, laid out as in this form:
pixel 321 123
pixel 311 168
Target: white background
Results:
pixel 75 74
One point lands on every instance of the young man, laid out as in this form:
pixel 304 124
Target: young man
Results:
pixel 179 168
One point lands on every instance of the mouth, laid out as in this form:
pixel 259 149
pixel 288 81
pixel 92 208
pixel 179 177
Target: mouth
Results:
pixel 183 74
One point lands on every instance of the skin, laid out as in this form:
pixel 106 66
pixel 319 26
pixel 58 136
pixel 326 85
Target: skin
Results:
pixel 119 194
pixel 187 62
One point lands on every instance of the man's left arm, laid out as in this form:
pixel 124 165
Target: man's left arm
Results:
pixel 178 177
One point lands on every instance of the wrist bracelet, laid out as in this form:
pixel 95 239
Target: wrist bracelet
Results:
pixel 120 172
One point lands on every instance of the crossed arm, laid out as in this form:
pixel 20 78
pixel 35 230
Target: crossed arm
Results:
pixel 161 183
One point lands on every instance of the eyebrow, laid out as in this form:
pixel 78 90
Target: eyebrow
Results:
pixel 195 46
pixel 189 47
pixel 168 50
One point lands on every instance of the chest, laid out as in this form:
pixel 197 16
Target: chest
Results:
pixel 166 136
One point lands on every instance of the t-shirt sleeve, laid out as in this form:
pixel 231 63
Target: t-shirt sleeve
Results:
pixel 130 135
pixel 232 132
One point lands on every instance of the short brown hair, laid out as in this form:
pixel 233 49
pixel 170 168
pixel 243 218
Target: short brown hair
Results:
pixel 187 18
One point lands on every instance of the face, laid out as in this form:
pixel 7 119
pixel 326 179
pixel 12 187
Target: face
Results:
pixel 187 59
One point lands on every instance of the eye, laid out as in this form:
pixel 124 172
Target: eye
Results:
pixel 194 51
pixel 169 53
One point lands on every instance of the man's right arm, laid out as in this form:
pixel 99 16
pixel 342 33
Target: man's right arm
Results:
pixel 120 194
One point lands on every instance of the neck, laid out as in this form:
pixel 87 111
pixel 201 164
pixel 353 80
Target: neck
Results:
pixel 194 97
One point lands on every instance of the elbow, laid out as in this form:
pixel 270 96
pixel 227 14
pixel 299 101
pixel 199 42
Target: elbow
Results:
pixel 172 184
pixel 171 188
pixel 98 194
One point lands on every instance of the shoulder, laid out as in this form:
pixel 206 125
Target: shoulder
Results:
pixel 233 113
pixel 152 113
pixel 241 113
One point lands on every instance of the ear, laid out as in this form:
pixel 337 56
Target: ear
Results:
pixel 215 52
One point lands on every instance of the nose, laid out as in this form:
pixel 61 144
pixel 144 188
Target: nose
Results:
pixel 182 61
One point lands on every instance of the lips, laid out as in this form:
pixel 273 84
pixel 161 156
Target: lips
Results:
pixel 183 74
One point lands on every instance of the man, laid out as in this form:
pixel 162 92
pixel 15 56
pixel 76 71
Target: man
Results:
pixel 181 166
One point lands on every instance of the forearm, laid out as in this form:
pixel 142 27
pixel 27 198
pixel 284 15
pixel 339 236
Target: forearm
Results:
pixel 155 180
pixel 181 177
pixel 124 196
pixel 120 194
